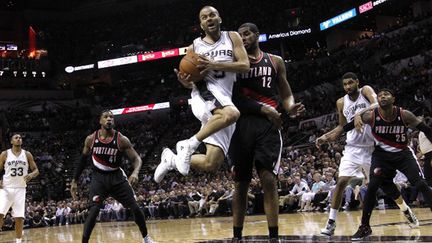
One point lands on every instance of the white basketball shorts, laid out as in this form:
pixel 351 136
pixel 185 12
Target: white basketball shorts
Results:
pixel 202 106
pixel 355 159
pixel 15 198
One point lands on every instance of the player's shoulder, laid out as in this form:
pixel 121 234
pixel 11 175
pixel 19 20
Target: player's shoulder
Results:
pixel 340 101
pixel 4 152
pixel 233 35
pixel 91 137
pixel 367 89
pixel 28 154
pixel 274 57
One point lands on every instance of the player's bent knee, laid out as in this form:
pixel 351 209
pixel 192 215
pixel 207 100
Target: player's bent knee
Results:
pixel 231 115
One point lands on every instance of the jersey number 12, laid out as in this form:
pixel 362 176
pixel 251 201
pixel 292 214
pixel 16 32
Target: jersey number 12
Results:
pixel 266 82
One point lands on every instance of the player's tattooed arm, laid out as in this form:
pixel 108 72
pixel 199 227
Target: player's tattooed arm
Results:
pixel 366 118
pixel 33 167
pixel 414 122
pixel 126 146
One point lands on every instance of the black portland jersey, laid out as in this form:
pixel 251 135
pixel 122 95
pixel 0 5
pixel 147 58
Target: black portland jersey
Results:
pixel 260 83
pixel 105 153
pixel 390 136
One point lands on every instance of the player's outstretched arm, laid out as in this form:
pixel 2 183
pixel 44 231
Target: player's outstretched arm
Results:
pixel 338 130
pixel 33 168
pixel 284 89
pixel 241 60
pixel 126 146
pixel 81 165
pixel 3 156
pixel 414 122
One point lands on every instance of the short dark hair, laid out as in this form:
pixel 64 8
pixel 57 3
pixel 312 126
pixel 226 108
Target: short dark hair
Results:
pixel 252 27
pixel 387 90
pixel 350 75
pixel 13 135
pixel 103 111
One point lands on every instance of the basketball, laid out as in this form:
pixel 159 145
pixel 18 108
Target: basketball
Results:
pixel 188 65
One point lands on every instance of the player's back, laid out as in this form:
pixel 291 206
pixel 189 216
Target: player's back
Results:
pixel 16 168
pixel 221 51
pixel 350 109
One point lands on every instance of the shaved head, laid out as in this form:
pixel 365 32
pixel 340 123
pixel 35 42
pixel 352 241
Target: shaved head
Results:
pixel 211 8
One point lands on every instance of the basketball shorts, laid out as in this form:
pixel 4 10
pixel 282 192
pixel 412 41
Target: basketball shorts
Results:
pixel 256 141
pixel 354 160
pixel 203 102
pixel 15 198
pixel 114 183
pixel 384 165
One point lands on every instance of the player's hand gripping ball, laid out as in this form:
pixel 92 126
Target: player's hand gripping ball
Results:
pixel 188 65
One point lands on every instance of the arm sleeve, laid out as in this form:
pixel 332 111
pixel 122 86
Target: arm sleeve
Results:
pixel 426 130
pixel 245 104
pixel 349 126
pixel 81 165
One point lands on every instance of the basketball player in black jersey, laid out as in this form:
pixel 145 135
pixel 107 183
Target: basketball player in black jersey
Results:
pixel 389 127
pixel 257 138
pixel 106 147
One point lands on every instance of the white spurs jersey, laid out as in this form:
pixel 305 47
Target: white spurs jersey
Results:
pixel 220 83
pixel 16 167
pixel 350 109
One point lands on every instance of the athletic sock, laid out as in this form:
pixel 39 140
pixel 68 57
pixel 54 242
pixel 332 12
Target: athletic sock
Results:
pixel 237 232
pixel 273 232
pixel 333 214
pixel 194 142
pixel 403 206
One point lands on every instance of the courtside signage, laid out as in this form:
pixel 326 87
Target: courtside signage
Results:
pixel 339 19
pixel 117 62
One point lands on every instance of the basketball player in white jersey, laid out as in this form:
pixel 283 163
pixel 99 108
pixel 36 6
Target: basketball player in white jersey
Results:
pixel 16 162
pixel 359 146
pixel 222 55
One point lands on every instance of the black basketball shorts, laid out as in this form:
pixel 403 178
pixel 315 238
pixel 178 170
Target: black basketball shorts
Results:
pixel 114 184
pixel 384 165
pixel 256 141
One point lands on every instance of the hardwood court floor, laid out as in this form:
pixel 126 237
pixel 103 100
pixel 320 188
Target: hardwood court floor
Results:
pixel 387 225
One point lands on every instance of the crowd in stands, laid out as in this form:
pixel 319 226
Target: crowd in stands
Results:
pixel 307 175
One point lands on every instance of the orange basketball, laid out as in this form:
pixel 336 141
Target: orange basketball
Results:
pixel 188 64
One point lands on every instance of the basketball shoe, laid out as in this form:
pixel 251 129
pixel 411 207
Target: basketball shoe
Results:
pixel 148 239
pixel 183 158
pixel 329 229
pixel 362 232
pixel 167 163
